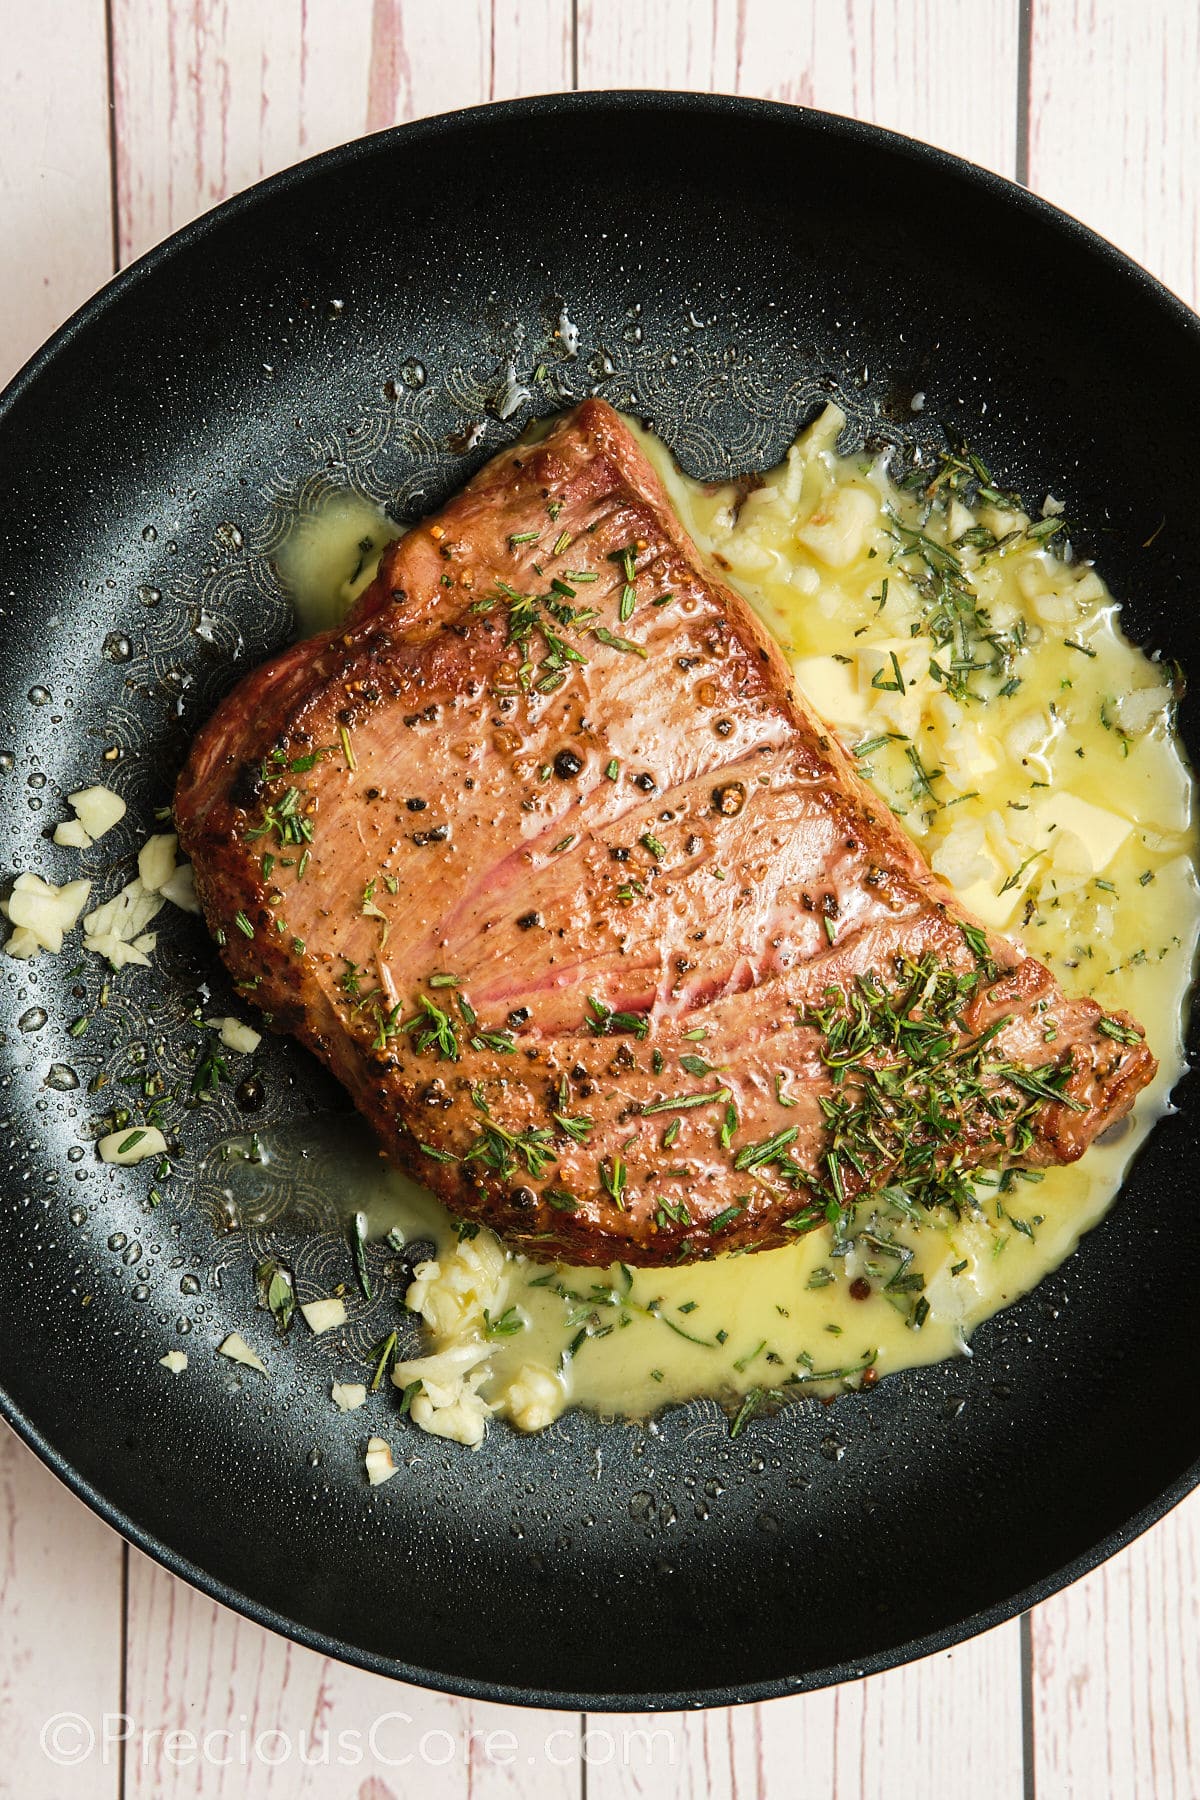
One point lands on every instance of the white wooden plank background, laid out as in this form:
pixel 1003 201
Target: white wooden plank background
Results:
pixel 1097 1694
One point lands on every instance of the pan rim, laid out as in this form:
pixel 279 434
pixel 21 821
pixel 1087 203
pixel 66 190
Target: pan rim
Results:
pixel 383 144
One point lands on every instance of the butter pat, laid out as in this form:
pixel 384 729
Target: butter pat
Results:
pixel 1101 832
pixel 831 689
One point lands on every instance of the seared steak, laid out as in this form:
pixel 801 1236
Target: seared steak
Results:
pixel 546 858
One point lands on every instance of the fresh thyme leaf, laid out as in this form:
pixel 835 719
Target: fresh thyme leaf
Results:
pixel 442 1156
pixel 433 1029
pixel 603 1022
pixel 507 1324
pixel 500 1150
pixel 612 1178
pixel 276 1291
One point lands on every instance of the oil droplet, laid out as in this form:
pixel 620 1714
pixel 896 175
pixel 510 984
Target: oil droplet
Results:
pixel 38 696
pixel 140 1293
pixel 832 1449
pixel 641 1506
pixel 35 781
pixel 132 1253
pixel 78 1215
pixel 149 596
pixel 714 1488
pixel 117 1241
pixel 149 534
pixel 7 760
pixel 228 536
pixel 183 1326
pixel 33 1019
pixel 315 1459
pixel 63 1077
pixel 189 1284
pixel 117 647
pixel 75 1153
pixel 412 373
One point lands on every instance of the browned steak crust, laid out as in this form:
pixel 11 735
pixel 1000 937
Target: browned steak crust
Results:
pixel 591 915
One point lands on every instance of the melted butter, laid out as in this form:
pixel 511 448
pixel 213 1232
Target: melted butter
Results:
pixel 330 556
pixel 1060 807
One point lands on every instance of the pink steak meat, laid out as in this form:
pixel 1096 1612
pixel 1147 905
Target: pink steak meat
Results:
pixel 545 857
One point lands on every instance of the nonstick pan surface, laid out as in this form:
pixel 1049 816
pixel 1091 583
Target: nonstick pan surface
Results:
pixel 730 266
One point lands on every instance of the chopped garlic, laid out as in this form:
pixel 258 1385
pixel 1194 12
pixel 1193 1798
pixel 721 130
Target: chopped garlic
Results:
pixel 380 1463
pixel 180 890
pixel 133 1145
pixel 457 1412
pixel 839 528
pixel 117 930
pixel 97 809
pixel 513 395
pixel 175 1360
pixel 71 835
pixel 959 519
pixel 453 1293
pixel 235 1035
pixel 821 435
pixel 533 1398
pixel 1141 708
pixel 238 1350
pixel 46 912
pixel 323 1315
pixel 156 861
pixel 568 334
pixel 118 953
pixel 348 1396
pixel 447 1404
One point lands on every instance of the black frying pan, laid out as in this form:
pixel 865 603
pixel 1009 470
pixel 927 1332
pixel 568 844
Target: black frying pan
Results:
pixel 730 265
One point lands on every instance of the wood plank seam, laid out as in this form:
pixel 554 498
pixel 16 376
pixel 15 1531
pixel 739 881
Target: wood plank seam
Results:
pixel 1024 73
pixel 114 198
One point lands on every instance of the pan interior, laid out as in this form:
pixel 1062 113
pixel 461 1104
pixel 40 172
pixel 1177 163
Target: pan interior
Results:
pixel 355 329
